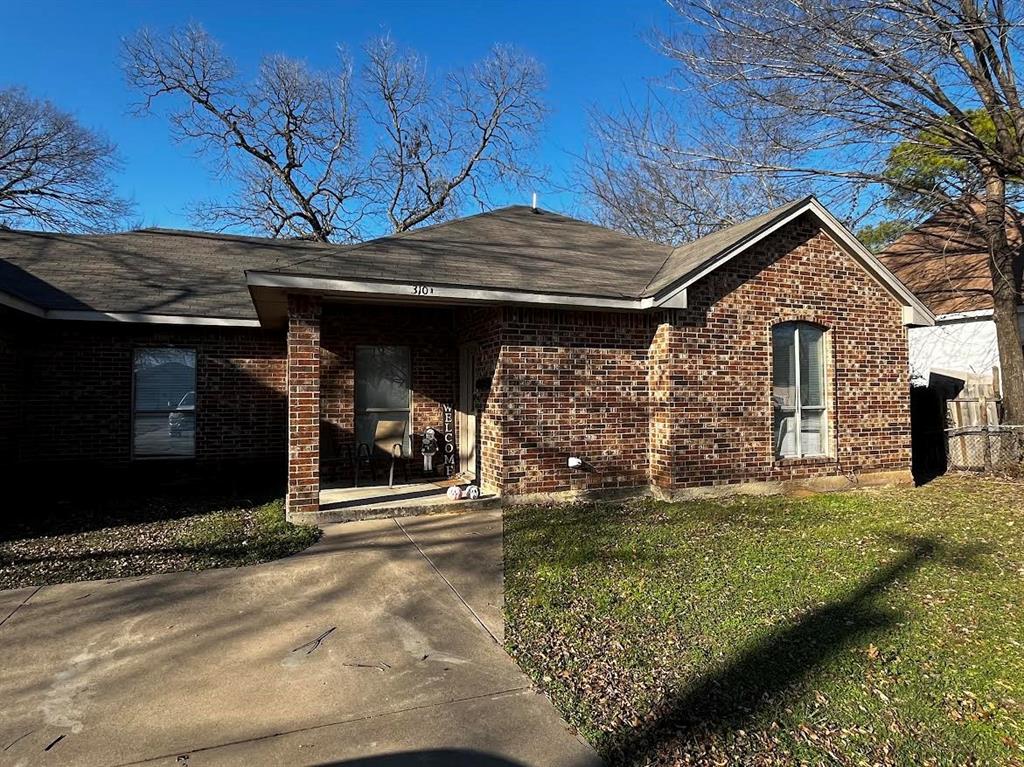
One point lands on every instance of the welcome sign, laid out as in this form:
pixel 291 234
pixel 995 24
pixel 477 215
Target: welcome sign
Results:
pixel 448 430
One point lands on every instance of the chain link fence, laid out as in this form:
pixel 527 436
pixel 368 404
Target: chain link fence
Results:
pixel 988 448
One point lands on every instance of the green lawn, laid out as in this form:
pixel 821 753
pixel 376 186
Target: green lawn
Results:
pixel 874 627
pixel 142 536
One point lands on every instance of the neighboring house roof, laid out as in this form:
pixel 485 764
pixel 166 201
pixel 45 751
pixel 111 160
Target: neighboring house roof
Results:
pixel 516 254
pixel 945 260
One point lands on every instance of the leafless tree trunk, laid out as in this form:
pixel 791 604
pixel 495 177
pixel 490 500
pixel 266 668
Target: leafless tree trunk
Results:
pixel 832 86
pixel 53 171
pixel 290 137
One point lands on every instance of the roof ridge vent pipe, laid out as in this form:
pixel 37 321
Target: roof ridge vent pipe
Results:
pixel 534 205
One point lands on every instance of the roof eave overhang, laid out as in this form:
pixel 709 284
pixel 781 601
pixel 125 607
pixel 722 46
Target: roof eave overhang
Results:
pixel 144 318
pixel 270 289
pixel 915 312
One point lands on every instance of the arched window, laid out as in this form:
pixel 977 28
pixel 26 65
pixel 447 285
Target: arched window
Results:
pixel 798 390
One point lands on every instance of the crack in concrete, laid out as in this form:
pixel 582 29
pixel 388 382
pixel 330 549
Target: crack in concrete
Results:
pixel 368 717
pixel 441 575
pixel 22 604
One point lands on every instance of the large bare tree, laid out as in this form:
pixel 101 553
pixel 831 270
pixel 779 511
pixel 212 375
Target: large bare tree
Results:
pixel 633 181
pixel 439 145
pixel 294 141
pixel 288 137
pixel 54 172
pixel 832 87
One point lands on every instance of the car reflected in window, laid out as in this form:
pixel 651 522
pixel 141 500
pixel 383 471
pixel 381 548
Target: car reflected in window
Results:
pixel 182 420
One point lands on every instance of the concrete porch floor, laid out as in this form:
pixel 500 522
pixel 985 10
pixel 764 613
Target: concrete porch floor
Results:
pixel 340 504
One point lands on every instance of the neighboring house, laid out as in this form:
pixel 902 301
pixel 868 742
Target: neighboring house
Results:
pixel 773 351
pixel 945 262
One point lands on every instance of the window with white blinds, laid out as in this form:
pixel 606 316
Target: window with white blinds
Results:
pixel 164 410
pixel 798 390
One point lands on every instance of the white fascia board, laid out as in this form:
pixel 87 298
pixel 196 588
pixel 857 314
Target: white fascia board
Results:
pixel 413 292
pixel 913 316
pixel 88 315
pixel 915 312
pixel 977 314
pixel 677 299
pixel 731 253
pixel 922 314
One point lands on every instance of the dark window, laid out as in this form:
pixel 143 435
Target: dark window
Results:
pixel 383 392
pixel 164 415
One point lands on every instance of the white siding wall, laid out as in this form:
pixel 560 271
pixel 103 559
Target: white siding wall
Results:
pixel 967 345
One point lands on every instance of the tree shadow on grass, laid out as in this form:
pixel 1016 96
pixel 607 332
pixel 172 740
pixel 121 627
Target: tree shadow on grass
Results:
pixel 734 696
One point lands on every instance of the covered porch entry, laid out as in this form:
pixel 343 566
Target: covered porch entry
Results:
pixel 385 403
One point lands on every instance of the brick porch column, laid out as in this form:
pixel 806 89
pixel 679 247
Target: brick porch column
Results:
pixel 303 404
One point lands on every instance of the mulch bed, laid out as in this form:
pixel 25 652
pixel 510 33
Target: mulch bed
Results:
pixel 170 535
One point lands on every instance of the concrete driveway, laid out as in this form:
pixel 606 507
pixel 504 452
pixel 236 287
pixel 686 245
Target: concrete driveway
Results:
pixel 378 646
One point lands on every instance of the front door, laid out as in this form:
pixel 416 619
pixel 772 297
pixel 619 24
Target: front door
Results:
pixel 467 413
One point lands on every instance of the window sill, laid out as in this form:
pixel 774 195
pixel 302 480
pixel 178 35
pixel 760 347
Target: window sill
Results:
pixel 157 458
pixel 809 460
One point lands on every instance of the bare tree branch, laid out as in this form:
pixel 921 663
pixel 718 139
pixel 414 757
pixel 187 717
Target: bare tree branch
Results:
pixel 289 136
pixel 829 88
pixel 442 144
pixel 53 171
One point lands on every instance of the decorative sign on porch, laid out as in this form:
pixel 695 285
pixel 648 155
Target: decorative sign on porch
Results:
pixel 448 429
pixel 429 448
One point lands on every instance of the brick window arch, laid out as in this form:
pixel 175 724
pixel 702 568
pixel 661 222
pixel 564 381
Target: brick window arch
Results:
pixel 799 403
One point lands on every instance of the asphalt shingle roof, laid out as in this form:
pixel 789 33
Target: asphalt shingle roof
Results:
pixel 944 260
pixel 162 271
pixel 514 248
pixel 691 256
pixel 155 271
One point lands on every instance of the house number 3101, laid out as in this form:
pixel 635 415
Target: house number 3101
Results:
pixel 422 290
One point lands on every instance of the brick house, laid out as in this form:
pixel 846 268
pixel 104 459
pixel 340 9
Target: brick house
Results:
pixel 773 351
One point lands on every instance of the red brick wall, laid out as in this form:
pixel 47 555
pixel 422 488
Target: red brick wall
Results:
pixel 677 398
pixel 304 328
pixel 573 384
pixel 77 399
pixel 711 371
pixel 429 335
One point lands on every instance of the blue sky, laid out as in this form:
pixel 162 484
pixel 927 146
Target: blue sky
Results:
pixel 593 53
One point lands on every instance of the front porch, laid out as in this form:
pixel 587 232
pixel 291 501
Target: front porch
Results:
pixel 348 504
pixel 369 382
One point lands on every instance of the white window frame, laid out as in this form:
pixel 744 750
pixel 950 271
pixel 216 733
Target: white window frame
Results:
pixel 195 407
pixel 797 410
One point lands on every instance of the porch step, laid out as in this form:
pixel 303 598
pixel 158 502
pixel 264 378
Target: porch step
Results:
pixel 345 511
